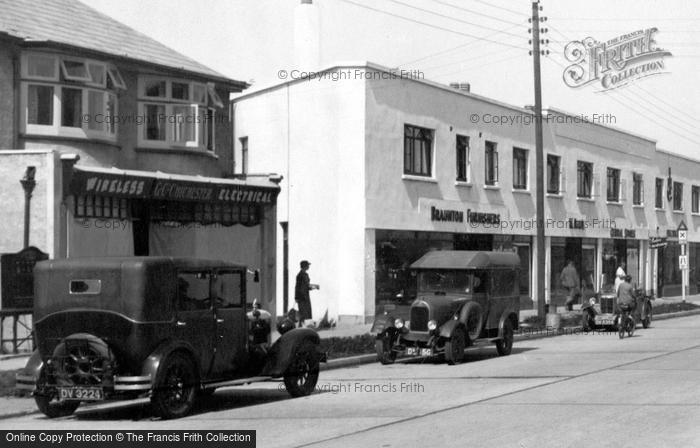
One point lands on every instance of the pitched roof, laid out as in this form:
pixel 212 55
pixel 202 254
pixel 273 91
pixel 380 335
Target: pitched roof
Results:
pixel 72 23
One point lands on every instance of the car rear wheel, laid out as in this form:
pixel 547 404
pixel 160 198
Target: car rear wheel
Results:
pixel 454 347
pixel 302 374
pixel 505 345
pixel 176 389
pixel 47 401
pixel 382 345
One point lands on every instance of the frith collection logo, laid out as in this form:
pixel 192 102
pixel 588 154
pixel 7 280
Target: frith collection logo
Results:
pixel 616 62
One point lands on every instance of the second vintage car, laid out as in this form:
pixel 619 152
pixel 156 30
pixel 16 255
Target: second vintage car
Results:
pixel 168 328
pixel 463 297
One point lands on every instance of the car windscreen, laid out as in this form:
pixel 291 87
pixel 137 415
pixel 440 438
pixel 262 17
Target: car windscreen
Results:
pixel 444 280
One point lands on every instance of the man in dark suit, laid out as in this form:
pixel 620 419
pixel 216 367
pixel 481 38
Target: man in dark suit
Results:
pixel 301 292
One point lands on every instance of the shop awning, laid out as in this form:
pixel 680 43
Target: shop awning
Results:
pixel 157 185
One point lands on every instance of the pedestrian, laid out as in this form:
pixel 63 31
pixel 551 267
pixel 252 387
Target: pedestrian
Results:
pixel 301 292
pixel 570 281
pixel 620 275
pixel 626 294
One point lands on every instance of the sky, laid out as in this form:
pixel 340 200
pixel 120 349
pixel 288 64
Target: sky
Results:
pixel 482 42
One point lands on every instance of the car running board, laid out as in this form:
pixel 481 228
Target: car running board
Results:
pixel 240 382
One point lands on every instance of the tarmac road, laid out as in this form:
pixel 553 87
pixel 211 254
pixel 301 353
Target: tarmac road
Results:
pixel 576 390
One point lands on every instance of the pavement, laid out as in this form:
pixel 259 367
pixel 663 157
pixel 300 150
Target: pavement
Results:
pixel 574 390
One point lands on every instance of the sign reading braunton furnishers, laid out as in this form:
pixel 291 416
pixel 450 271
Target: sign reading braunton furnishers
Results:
pixel 616 62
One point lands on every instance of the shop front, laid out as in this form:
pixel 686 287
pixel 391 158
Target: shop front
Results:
pixel 112 212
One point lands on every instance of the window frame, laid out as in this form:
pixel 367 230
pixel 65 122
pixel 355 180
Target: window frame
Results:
pixel 695 199
pixel 637 189
pixel 558 174
pixel 490 177
pixel 616 175
pixel 25 67
pixel 462 159
pixel 517 168
pixel 659 193
pixel 86 79
pixel 678 187
pixel 580 179
pixel 418 135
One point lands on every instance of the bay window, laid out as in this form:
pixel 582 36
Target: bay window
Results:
pixel 178 113
pixel 68 96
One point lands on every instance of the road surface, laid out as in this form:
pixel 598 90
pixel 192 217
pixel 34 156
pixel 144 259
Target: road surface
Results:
pixel 574 390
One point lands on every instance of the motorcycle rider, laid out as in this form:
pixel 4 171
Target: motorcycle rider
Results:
pixel 626 294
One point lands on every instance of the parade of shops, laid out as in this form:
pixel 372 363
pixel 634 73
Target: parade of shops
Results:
pixel 378 171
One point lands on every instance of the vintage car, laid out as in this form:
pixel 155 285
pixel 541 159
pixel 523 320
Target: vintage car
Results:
pixel 463 297
pixel 168 328
pixel 601 309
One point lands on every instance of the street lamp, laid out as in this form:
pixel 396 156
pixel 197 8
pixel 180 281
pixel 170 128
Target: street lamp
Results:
pixel 28 184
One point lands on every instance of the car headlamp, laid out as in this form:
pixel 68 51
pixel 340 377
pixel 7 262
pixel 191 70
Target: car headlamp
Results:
pixel 398 323
pixel 432 325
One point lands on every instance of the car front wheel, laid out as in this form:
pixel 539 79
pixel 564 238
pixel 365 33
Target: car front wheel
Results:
pixel 454 347
pixel 505 345
pixel 302 374
pixel 176 389
pixel 382 345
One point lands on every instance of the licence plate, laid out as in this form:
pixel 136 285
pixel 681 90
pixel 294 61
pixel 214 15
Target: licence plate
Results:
pixel 80 393
pixel 416 351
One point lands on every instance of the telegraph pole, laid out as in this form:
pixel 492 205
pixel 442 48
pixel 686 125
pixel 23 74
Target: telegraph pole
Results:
pixel 539 162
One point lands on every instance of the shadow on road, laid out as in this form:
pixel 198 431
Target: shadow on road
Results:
pixel 471 355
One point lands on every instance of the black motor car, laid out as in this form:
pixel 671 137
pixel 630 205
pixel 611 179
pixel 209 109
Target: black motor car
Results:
pixel 463 297
pixel 168 328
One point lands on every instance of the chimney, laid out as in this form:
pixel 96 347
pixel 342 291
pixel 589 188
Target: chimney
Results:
pixel 462 86
pixel 306 36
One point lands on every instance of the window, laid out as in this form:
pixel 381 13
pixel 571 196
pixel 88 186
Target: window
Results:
pixel 695 199
pixel 75 70
pixel 637 189
pixel 613 185
pixel 553 174
pixel 40 104
pixel 244 155
pixel 491 165
pixel 176 114
pixel 227 289
pixel 677 196
pixel 659 197
pixel 101 207
pixel 585 180
pixel 193 291
pixel 417 152
pixel 79 102
pixel 71 107
pixel 519 169
pixel 462 150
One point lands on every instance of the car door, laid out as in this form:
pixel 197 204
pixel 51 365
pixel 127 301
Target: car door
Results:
pixel 228 291
pixel 195 322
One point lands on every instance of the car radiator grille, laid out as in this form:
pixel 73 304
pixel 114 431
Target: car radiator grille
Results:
pixel 607 305
pixel 419 318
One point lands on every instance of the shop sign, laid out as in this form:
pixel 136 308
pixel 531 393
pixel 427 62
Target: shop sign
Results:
pixel 657 242
pixel 245 194
pixel 182 191
pixel 437 214
pixel 105 184
pixel 483 218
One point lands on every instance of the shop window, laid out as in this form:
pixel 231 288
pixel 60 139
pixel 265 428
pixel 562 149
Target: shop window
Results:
pixel 101 207
pixel 519 169
pixel 418 146
pixel 183 213
pixel 554 174
pixel 585 180
pixel 462 151
pixel 659 193
pixel 637 189
pixel 695 199
pixel 613 190
pixel 491 165
pixel 677 196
